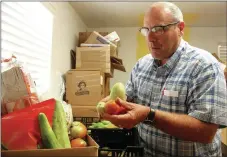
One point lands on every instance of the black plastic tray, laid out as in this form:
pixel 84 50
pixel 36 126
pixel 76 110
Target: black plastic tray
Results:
pixel 120 142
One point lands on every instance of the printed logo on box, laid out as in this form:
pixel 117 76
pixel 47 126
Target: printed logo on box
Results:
pixel 82 90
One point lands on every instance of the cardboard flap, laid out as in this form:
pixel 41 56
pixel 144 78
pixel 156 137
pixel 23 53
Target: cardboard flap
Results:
pixel 117 63
pixel 83 36
pixel 116 60
pixel 118 67
pixel 96 38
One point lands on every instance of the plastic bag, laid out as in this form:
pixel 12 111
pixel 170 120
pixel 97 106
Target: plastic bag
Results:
pixel 20 129
pixel 67 107
pixel 17 87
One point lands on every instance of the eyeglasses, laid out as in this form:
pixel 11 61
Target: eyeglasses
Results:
pixel 158 30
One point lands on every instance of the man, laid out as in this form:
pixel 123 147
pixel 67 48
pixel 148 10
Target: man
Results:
pixel 177 94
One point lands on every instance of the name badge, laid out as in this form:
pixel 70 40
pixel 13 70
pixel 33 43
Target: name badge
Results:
pixel 170 93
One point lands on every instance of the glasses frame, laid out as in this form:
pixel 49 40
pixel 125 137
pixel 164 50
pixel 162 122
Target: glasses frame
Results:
pixel 154 29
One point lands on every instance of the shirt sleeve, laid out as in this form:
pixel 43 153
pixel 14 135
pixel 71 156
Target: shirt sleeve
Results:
pixel 207 99
pixel 130 85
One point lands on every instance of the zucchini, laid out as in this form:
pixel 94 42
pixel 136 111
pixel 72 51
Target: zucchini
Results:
pixel 60 125
pixel 48 137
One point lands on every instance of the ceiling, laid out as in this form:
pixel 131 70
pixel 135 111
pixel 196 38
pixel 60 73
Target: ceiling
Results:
pixel 129 14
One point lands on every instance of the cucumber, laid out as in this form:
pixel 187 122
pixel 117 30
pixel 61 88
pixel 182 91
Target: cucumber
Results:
pixel 48 137
pixel 60 125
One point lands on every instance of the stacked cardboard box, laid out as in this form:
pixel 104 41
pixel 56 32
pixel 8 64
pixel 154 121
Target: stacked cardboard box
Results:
pixel 96 59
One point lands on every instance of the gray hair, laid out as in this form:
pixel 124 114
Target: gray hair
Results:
pixel 174 10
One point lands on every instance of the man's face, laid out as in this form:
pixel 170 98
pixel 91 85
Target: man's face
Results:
pixel 162 46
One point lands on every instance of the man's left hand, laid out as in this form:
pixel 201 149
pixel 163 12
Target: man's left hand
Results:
pixel 135 114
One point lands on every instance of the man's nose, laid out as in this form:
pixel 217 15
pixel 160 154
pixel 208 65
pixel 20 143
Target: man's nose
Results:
pixel 151 37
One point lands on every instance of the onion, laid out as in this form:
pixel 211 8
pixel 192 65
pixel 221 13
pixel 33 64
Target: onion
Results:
pixel 78 130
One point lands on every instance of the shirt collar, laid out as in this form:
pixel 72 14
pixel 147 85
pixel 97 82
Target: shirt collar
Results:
pixel 174 58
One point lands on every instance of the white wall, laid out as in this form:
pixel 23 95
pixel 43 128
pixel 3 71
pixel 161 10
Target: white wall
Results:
pixel 204 37
pixel 207 37
pixel 66 27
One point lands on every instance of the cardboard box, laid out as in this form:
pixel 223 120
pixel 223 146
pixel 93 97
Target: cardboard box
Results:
pixel 84 111
pixel 104 66
pixel 90 151
pixel 107 86
pixel 96 38
pixel 114 38
pixel 83 36
pixel 93 57
pixel 224 136
pixel 98 57
pixel 84 87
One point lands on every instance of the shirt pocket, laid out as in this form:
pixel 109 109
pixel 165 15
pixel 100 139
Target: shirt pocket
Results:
pixel 144 91
pixel 174 104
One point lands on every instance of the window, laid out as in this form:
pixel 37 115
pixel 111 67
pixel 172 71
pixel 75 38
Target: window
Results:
pixel 222 51
pixel 27 33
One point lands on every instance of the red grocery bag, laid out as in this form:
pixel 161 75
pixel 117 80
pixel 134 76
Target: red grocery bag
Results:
pixel 20 129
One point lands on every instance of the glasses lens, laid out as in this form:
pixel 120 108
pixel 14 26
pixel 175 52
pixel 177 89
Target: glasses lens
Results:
pixel 157 30
pixel 144 31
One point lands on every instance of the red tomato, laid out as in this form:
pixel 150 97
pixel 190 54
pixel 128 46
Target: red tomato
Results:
pixel 78 142
pixel 113 108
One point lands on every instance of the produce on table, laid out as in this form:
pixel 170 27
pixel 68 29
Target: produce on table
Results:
pixel 58 137
pixel 103 124
pixel 111 107
pixel 43 125
pixel 78 130
pixel 48 137
pixel 105 152
pixel 20 129
pixel 60 126
pixel 78 133
pixel 78 142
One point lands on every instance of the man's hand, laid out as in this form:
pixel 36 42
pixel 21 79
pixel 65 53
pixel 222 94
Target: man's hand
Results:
pixel 135 114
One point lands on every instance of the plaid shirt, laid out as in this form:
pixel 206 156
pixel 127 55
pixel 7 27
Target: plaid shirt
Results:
pixel 195 76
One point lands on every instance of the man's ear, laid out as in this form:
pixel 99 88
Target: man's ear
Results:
pixel 181 26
